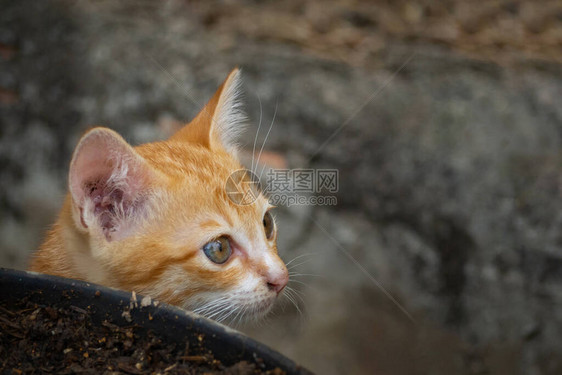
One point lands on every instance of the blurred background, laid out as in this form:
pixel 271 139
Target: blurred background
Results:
pixel 444 119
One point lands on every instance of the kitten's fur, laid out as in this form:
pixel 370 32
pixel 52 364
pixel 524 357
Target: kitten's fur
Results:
pixel 137 218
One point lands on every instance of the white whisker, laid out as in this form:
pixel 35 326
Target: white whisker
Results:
pixel 225 314
pixel 294 274
pixel 230 313
pixel 297 293
pixel 209 307
pixel 289 295
pixel 300 256
pixel 299 264
pixel 237 316
pixel 218 311
pixel 265 141
pixel 298 282
pixel 256 138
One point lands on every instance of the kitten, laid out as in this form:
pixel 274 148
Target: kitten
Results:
pixel 157 219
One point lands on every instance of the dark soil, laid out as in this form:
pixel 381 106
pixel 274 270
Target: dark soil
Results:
pixel 51 339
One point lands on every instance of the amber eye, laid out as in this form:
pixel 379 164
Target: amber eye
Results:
pixel 218 250
pixel 268 225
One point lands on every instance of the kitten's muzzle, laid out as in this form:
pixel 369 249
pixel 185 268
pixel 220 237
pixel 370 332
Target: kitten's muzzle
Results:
pixel 277 282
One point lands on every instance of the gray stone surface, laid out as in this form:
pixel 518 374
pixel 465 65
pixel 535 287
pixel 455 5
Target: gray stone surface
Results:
pixel 450 177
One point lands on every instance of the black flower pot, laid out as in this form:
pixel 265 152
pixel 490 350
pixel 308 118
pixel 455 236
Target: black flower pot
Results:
pixel 174 326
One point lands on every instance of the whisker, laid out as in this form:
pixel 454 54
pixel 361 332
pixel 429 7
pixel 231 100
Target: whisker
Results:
pixel 289 295
pixel 265 141
pixel 294 274
pixel 266 320
pixel 212 308
pixel 298 282
pixel 244 310
pixel 206 304
pixel 226 313
pixel 300 256
pixel 229 314
pixel 290 291
pixel 299 264
pixel 217 313
pixel 218 310
pixel 297 293
pixel 234 320
pixel 256 138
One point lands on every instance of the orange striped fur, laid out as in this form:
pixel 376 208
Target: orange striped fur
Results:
pixel 138 218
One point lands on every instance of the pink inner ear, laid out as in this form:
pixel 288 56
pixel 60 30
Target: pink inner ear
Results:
pixel 107 180
pixel 109 205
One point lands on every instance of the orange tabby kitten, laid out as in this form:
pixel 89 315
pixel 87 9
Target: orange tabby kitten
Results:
pixel 156 219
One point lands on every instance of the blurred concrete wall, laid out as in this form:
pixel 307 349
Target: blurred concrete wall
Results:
pixel 450 158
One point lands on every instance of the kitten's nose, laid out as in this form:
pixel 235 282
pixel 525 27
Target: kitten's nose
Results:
pixel 277 281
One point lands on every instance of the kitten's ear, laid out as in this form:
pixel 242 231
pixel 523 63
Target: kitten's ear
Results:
pixel 221 120
pixel 109 183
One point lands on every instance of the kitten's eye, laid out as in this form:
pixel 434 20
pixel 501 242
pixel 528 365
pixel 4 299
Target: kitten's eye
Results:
pixel 268 225
pixel 218 250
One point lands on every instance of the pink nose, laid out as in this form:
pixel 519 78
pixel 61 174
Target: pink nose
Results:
pixel 278 281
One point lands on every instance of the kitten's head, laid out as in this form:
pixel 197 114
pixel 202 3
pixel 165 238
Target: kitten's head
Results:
pixel 158 218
